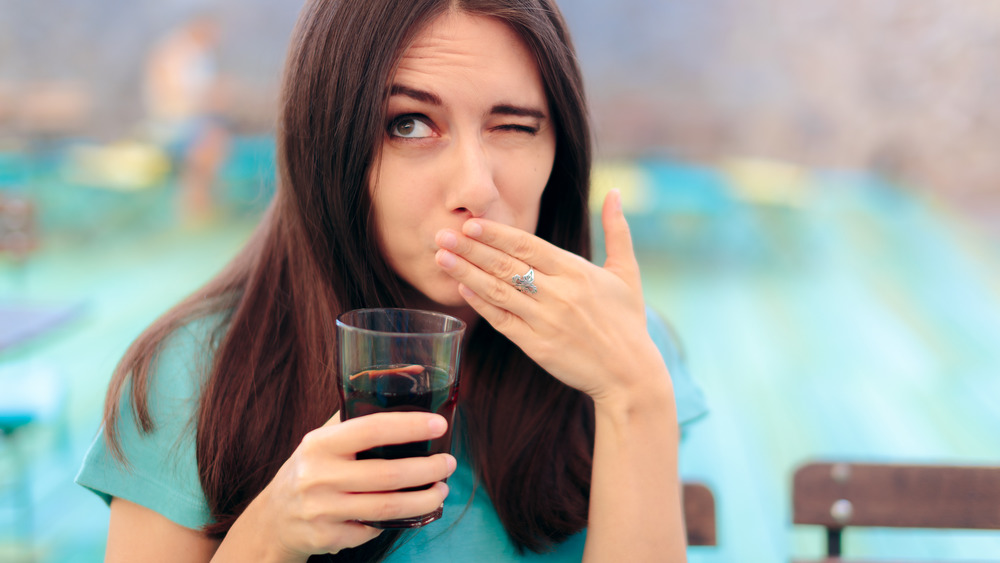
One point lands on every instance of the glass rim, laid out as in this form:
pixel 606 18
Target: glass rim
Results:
pixel 458 329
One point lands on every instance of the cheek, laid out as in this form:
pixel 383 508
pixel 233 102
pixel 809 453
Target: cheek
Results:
pixel 525 180
pixel 391 220
pixel 399 215
pixel 387 186
pixel 403 187
pixel 386 214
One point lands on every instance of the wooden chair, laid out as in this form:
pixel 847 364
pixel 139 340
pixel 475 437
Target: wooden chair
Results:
pixel 699 514
pixel 838 495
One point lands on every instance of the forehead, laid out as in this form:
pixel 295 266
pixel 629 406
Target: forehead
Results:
pixel 478 50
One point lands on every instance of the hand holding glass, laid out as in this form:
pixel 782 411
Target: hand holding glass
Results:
pixel 400 360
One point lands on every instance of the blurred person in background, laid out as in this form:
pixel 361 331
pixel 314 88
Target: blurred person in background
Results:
pixel 185 97
pixel 430 153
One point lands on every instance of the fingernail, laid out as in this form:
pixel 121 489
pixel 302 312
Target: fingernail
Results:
pixel 452 463
pixel 437 425
pixel 465 291
pixel 618 199
pixel 443 487
pixel 472 228
pixel 447 239
pixel 445 259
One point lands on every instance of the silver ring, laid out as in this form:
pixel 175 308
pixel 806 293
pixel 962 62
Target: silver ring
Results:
pixel 525 283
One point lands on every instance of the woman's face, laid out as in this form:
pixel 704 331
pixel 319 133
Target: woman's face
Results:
pixel 469 134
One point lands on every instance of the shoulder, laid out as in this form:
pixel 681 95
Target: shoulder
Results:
pixel 691 403
pixel 160 469
pixel 180 367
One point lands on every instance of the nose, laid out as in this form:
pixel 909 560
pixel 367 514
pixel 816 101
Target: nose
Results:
pixel 472 188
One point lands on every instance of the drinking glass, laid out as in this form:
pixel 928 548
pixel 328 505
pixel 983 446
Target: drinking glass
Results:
pixel 400 360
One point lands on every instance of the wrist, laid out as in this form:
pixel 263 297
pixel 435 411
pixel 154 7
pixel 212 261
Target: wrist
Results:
pixel 656 397
pixel 643 386
pixel 250 538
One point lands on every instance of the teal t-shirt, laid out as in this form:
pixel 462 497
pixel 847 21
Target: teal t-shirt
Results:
pixel 163 474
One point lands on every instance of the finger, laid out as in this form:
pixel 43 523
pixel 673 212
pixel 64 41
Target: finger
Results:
pixel 497 292
pixel 491 260
pixel 375 507
pixel 506 322
pixel 384 428
pixel 618 238
pixel 375 475
pixel 526 247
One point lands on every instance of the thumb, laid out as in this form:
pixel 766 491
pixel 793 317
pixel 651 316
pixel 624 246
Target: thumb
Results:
pixel 618 238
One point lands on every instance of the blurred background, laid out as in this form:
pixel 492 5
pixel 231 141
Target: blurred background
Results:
pixel 812 186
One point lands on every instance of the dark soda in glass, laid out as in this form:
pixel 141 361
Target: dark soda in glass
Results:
pixel 407 388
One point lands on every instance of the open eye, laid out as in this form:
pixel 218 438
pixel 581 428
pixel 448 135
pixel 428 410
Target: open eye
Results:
pixel 409 127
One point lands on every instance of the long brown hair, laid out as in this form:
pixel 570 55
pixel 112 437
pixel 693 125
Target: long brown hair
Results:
pixel 315 254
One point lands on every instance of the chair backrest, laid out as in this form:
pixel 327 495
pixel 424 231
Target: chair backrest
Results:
pixel 699 514
pixel 837 495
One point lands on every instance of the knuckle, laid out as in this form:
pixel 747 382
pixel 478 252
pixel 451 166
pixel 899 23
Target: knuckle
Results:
pixel 307 481
pixel 319 538
pixel 301 465
pixel 309 442
pixel 580 286
pixel 505 265
pixel 388 508
pixel 543 351
pixel 302 471
pixel 497 292
pixel 461 268
pixel 504 320
pixel 370 431
pixel 310 510
pixel 465 245
pixel 391 475
pixel 522 247
pixel 575 292
pixel 337 480
pixel 488 236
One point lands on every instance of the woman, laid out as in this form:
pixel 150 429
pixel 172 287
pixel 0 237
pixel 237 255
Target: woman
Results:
pixel 421 144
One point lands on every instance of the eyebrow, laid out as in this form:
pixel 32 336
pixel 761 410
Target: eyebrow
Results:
pixel 419 95
pixel 433 99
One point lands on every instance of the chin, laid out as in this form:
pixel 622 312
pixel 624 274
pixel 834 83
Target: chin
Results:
pixel 441 295
pixel 445 299
pixel 449 297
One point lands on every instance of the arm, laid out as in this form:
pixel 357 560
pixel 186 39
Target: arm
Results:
pixel 312 504
pixel 635 487
pixel 136 533
pixel 586 326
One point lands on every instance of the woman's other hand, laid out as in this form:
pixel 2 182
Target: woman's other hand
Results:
pixel 586 324
pixel 314 502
